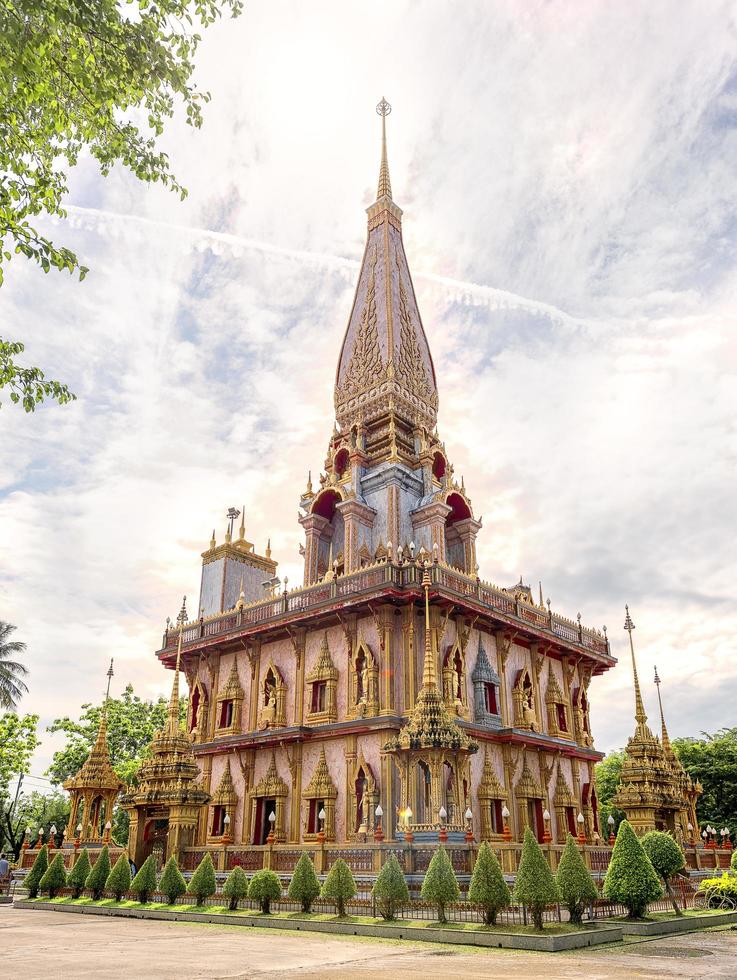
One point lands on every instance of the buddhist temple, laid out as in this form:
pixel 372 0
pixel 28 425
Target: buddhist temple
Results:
pixel 395 695
pixel 655 792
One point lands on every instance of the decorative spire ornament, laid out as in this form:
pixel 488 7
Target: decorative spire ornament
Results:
pixel 665 738
pixel 385 186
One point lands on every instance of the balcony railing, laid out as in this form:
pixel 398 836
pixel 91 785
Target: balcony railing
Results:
pixel 391 576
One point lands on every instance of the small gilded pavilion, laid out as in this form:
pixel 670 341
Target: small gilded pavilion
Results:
pixel 655 792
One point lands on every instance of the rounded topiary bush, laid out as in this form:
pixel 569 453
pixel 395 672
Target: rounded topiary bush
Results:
pixel 577 887
pixel 119 880
pixel 235 887
pixel 98 875
pixel 144 883
pixel 667 858
pixel 54 877
pixel 439 885
pixel 535 886
pixel 488 887
pixel 390 889
pixel 202 884
pixel 78 875
pixel 339 886
pixel 37 872
pixel 631 878
pixel 172 882
pixel 304 886
pixel 265 888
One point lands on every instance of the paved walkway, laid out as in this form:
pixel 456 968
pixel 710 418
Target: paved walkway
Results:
pixel 49 945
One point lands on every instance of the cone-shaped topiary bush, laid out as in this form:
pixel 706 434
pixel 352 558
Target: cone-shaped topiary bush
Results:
pixel 390 889
pixel 235 887
pixel 265 888
pixel 666 857
pixel 535 886
pixel 37 872
pixel 78 875
pixel 630 877
pixel 202 884
pixel 144 883
pixel 304 886
pixel 98 876
pixel 576 886
pixel 172 882
pixel 488 887
pixel 54 877
pixel 440 886
pixel 339 886
pixel 119 880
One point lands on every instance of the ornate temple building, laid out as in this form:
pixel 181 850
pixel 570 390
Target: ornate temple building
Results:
pixel 395 693
pixel 655 792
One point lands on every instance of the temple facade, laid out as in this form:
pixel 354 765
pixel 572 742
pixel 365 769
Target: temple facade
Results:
pixel 395 694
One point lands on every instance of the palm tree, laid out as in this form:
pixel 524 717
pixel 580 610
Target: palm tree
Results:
pixel 12 687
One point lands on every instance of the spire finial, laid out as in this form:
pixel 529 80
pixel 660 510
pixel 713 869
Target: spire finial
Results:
pixel 385 186
pixel 640 715
pixel 173 712
pixel 110 674
pixel 242 530
pixel 664 730
pixel 429 679
pixel 268 548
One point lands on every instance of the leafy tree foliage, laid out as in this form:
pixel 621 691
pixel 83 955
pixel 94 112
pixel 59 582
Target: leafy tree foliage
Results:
pixel 265 888
pixel 733 862
pixel 202 884
pixel 488 887
pixel 34 876
pixel 54 877
pixel 103 78
pixel 119 880
pixel 78 874
pixel 631 878
pixel 12 672
pixel 390 888
pixel 235 887
pixel 606 775
pixel 172 882
pixel 439 885
pixel 304 886
pixel 339 885
pixel 712 760
pixel 18 742
pixel 144 882
pixel 97 878
pixel 535 886
pixel 576 886
pixel 666 857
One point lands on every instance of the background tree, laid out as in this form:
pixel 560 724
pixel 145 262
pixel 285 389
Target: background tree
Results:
pixel 304 886
pixel 390 888
pixel 576 886
pixel 606 776
pixel 712 760
pixel 35 809
pixel 235 887
pixel 172 882
pixel 96 78
pixel 265 888
pixel 488 887
pixel 18 742
pixel 630 878
pixel 439 885
pixel 339 886
pixel 12 672
pixel 666 857
pixel 535 885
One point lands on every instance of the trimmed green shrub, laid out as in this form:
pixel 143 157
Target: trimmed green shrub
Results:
pixel 78 875
pixel 535 886
pixel 37 872
pixel 119 880
pixel 202 884
pixel 720 892
pixel 235 887
pixel 576 886
pixel 631 879
pixel 667 858
pixel 488 887
pixel 439 885
pixel 390 888
pixel 339 886
pixel 304 886
pixel 144 883
pixel 54 877
pixel 265 888
pixel 98 876
pixel 172 882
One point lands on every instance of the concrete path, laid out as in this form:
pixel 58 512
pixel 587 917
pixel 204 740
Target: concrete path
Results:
pixel 47 945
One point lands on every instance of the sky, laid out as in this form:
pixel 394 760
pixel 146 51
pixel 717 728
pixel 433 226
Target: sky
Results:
pixel 567 175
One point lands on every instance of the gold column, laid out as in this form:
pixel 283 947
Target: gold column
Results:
pixel 295 769
pixel 351 755
pixel 503 646
pixel 408 637
pixel 384 620
pixel 537 662
pixel 298 644
pixel 254 655
pixel 214 668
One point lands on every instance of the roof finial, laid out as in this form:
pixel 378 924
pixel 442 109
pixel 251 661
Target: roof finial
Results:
pixel 268 548
pixel 385 186
pixel 429 679
pixel 242 530
pixel 173 712
pixel 110 675
pixel 640 715
pixel 664 730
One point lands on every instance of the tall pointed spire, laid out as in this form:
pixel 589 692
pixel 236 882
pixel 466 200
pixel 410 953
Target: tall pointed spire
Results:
pixel 640 716
pixel 429 673
pixel 665 737
pixel 172 715
pixel 385 184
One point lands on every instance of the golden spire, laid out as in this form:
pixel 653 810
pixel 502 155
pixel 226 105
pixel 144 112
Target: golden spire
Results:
pixel 665 737
pixel 385 185
pixel 640 716
pixel 172 720
pixel 242 531
pixel 429 677
pixel 212 539
pixel 268 548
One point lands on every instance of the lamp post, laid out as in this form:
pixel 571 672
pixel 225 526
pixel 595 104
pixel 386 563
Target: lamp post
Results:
pixel 469 830
pixel 408 835
pixel 321 833
pixel 27 841
pixel 727 840
pixel 378 831
pixel 78 838
pixel 704 836
pixel 226 829
pixel 52 836
pixel 272 821
pixel 581 831
pixel 612 838
pixel 40 838
pixel 443 831
pixel 507 833
pixel 547 836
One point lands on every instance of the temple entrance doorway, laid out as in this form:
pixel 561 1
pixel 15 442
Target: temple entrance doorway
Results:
pixel 265 806
pixel 535 818
pixel 155 838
